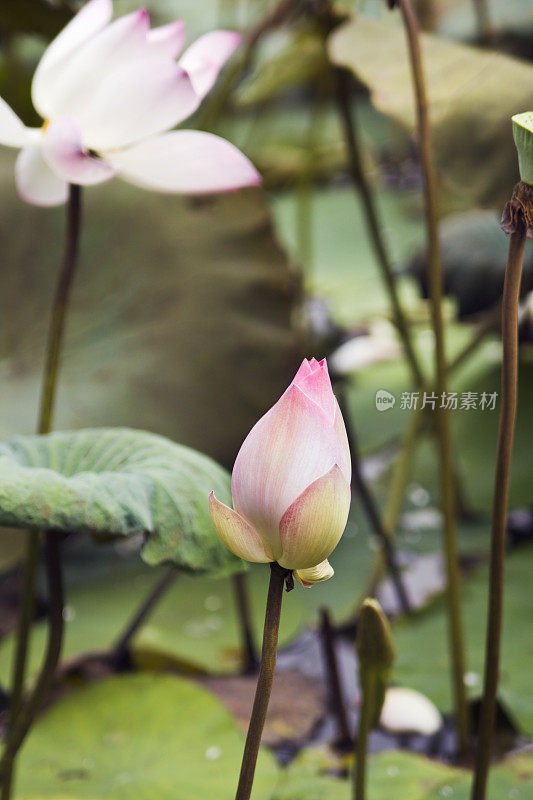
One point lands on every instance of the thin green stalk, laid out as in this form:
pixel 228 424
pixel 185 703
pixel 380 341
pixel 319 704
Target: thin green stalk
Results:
pixel 396 492
pixel 509 393
pixel 52 359
pixel 375 655
pixel 402 464
pixel 59 309
pixel 488 325
pixel 365 716
pixel 484 25
pixel 120 650
pixel 400 475
pixel 336 695
pixel 22 724
pixel 25 618
pixel 244 616
pixel 371 510
pixel 216 104
pixel 442 418
pixel 264 681
pixel 362 186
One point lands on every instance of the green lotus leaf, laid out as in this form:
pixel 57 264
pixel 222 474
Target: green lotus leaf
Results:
pixel 155 737
pixel 397 773
pixel 114 482
pixel 426 669
pixel 472 95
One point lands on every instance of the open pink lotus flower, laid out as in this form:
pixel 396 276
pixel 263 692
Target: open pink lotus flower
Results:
pixel 291 481
pixel 109 93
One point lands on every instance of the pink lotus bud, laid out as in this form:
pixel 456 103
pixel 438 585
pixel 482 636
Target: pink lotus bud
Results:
pixel 291 481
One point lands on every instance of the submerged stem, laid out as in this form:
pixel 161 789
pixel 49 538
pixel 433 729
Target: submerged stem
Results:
pixel 120 650
pixel 336 694
pixel 48 393
pixel 250 660
pixel 442 419
pixel 22 724
pixel 511 291
pixel 264 681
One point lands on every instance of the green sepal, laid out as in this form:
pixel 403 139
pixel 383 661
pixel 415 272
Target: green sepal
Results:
pixel 376 652
pixel 523 137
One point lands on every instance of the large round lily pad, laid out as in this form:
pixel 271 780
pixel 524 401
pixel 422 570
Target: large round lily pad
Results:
pixel 117 482
pixel 399 774
pixel 154 737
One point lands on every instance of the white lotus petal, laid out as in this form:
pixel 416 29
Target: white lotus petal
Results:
pixel 36 182
pixel 13 132
pixel 83 71
pixel 204 59
pixel 185 162
pixel 91 18
pixel 64 152
pixel 288 449
pixel 344 459
pixel 141 99
pixel 168 40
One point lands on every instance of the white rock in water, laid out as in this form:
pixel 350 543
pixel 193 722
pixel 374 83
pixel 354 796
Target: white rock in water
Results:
pixel 408 711
pixel 359 352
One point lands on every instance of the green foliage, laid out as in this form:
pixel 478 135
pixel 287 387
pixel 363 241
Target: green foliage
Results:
pixel 155 737
pixel 474 255
pixel 427 668
pixel 473 94
pixel 523 137
pixel 118 482
pixel 194 626
pixel 300 62
pixel 35 16
pixel 475 434
pixel 375 651
pixel 344 269
pixel 398 774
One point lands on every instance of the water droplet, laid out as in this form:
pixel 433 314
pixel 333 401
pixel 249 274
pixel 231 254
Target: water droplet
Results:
pixel 69 613
pixel 446 791
pixel 418 496
pixel 392 770
pixel 513 793
pixel 213 602
pixel 202 628
pixel 88 763
pixel 212 753
pixel 471 679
